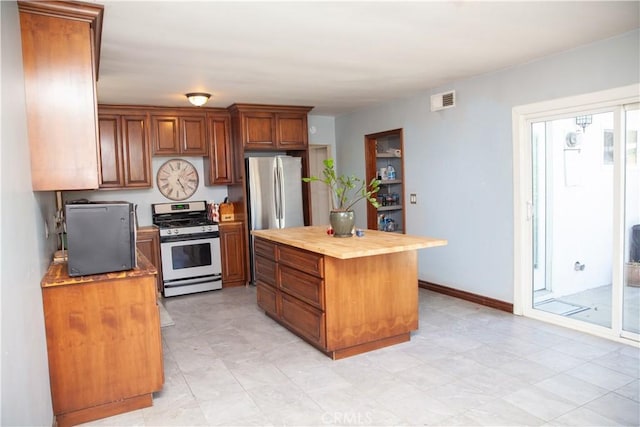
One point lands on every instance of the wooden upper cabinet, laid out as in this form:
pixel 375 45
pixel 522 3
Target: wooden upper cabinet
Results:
pixel 60 52
pixel 164 134
pixel 125 155
pixel 270 127
pixel 174 133
pixel 218 165
pixel 292 130
pixel 136 151
pixel 111 170
pixel 258 130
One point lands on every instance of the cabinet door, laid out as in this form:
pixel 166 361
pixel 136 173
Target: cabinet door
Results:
pixel 60 95
pixel 111 171
pixel 193 135
pixel 258 130
pixel 232 250
pixel 267 298
pixel 164 135
pixel 104 342
pixel 136 152
pixel 292 131
pixel 218 165
pixel 148 242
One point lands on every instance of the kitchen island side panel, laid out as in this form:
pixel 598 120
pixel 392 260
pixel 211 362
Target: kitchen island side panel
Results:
pixel 369 299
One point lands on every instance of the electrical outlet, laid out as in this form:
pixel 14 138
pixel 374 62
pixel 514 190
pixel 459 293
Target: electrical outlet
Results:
pixel 412 198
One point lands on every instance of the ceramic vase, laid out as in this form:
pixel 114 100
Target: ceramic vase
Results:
pixel 342 223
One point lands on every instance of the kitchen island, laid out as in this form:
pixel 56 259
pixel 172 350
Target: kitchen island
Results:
pixel 345 296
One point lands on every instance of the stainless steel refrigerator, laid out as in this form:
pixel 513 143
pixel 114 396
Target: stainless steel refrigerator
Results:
pixel 274 188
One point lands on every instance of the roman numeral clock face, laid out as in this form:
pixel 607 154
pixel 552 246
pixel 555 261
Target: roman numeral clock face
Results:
pixel 177 179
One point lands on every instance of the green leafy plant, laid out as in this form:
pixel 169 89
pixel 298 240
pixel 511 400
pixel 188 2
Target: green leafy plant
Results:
pixel 346 190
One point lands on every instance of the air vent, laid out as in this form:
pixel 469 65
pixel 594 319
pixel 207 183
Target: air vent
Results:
pixel 441 101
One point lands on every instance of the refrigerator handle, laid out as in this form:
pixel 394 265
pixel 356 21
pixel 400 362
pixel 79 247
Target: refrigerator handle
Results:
pixel 276 193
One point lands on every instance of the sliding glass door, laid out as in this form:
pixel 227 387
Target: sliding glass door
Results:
pixel 577 210
pixel 631 275
pixel 573 189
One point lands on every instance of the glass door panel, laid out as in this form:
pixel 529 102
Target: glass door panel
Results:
pixel 631 288
pixel 572 216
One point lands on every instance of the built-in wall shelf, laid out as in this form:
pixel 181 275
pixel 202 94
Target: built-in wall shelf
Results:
pixel 383 152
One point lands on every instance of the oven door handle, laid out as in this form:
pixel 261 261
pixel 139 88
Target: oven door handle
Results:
pixel 185 238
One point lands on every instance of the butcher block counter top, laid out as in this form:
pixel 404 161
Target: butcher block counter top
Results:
pixel 58 274
pixel 316 239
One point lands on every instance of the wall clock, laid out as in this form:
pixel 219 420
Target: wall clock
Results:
pixel 177 179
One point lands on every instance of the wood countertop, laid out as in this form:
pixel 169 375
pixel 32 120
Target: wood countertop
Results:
pixel 57 274
pixel 315 239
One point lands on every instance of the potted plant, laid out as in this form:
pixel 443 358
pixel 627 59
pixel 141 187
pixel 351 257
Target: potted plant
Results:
pixel 346 191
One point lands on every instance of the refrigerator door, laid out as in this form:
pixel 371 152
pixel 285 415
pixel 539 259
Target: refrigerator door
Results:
pixel 275 195
pixel 262 185
pixel 289 205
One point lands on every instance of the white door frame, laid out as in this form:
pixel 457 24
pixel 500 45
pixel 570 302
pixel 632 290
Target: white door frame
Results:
pixel 522 117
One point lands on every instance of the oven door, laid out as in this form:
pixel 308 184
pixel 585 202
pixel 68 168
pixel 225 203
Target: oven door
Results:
pixel 185 259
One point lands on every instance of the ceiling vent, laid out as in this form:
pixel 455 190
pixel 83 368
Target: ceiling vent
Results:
pixel 441 101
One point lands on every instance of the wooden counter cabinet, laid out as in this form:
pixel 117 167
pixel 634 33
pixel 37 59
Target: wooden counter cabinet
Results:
pixel 103 342
pixel 232 252
pixel 148 242
pixel 343 296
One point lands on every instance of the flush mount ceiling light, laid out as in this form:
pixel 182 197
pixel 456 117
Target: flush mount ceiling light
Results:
pixel 198 98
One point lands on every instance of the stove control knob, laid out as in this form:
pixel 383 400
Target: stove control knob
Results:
pixel 204 229
pixel 175 231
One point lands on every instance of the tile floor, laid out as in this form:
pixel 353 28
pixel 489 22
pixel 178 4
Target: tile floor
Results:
pixel 227 364
pixel 598 301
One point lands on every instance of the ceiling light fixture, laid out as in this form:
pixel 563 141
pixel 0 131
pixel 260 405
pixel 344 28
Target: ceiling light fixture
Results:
pixel 198 98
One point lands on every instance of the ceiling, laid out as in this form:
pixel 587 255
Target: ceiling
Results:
pixel 336 56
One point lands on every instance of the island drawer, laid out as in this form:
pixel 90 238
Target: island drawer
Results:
pixel 301 285
pixel 266 270
pixel 306 320
pixel 308 262
pixel 267 299
pixel 265 248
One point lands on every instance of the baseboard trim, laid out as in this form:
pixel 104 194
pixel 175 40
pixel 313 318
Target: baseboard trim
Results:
pixel 467 296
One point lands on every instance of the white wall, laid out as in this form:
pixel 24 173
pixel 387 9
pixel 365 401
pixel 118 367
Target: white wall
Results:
pixel 459 161
pixel 25 251
pixel 324 131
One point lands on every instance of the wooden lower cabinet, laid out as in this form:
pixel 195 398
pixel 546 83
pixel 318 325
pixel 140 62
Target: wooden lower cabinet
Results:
pixel 343 307
pixel 148 242
pixel 232 252
pixel 103 342
pixel 306 320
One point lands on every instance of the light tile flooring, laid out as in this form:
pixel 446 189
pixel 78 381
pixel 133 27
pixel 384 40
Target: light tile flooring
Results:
pixel 226 363
pixel 598 301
